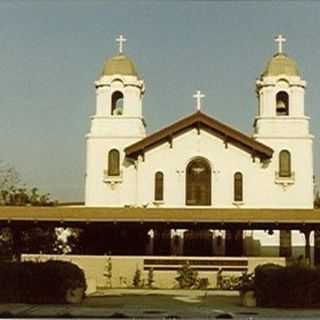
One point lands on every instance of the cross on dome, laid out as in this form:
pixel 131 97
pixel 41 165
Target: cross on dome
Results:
pixel 280 39
pixel 121 41
pixel 198 96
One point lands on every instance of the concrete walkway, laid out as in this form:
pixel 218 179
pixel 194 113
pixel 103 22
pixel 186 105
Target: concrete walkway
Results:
pixel 155 304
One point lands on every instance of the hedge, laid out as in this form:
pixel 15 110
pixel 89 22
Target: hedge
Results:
pixel 39 282
pixel 292 286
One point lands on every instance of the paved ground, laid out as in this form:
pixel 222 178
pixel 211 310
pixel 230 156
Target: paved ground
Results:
pixel 155 304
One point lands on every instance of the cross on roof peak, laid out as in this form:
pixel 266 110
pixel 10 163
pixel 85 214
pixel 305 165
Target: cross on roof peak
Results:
pixel 280 40
pixel 121 39
pixel 198 96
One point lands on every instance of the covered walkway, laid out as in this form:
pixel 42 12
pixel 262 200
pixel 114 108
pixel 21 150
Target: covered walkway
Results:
pixel 138 221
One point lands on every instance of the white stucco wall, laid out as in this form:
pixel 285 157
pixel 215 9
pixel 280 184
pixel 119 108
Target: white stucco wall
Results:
pixel 261 188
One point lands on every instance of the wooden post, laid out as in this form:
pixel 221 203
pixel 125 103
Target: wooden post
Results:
pixel 285 243
pixel 234 242
pixel 16 243
pixel 317 248
pixel 162 241
pixel 307 246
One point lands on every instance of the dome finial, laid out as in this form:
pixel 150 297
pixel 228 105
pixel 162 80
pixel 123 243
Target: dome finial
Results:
pixel 198 96
pixel 121 41
pixel 280 39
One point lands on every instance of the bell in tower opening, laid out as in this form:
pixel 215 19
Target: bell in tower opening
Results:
pixel 282 104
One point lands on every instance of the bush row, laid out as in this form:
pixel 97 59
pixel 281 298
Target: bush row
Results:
pixel 40 282
pixel 292 286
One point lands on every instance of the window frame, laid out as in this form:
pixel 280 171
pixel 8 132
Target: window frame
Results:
pixel 198 190
pixel 238 187
pixel 113 163
pixel 159 186
pixel 285 170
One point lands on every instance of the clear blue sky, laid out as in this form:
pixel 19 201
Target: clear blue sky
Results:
pixel 52 51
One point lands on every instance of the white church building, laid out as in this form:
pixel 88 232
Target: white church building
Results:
pixel 200 162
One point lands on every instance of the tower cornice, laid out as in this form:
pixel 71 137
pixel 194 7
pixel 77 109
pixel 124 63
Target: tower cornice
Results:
pixel 106 81
pixel 273 81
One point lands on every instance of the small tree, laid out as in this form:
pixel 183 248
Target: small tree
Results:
pixel 137 282
pixel 14 193
pixel 150 278
pixel 6 242
pixel 187 277
pixel 108 272
pixel 9 179
pixel 66 240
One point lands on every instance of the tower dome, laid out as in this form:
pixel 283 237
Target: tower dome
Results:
pixel 119 64
pixel 281 64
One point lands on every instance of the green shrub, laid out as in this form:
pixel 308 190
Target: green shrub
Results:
pixel 137 282
pixel 292 286
pixel 187 277
pixel 39 282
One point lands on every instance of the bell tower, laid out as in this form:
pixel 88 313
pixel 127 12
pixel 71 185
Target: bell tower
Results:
pixel 117 123
pixel 119 95
pixel 282 124
pixel 280 92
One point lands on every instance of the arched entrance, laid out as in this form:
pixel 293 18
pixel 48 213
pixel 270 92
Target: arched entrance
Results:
pixel 198 183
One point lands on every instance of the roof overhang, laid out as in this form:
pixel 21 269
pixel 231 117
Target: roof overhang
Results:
pixel 173 217
pixel 200 121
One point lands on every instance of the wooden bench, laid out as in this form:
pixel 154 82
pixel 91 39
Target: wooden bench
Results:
pixel 232 265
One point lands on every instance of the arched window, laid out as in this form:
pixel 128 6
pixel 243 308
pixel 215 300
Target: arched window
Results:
pixel 198 183
pixel 117 103
pixel 158 186
pixel 238 186
pixel 113 163
pixel 284 164
pixel 282 104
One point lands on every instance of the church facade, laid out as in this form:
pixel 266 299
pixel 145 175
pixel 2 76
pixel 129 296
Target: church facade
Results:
pixel 199 161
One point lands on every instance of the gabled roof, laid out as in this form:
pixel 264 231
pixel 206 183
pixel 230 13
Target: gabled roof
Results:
pixel 200 121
